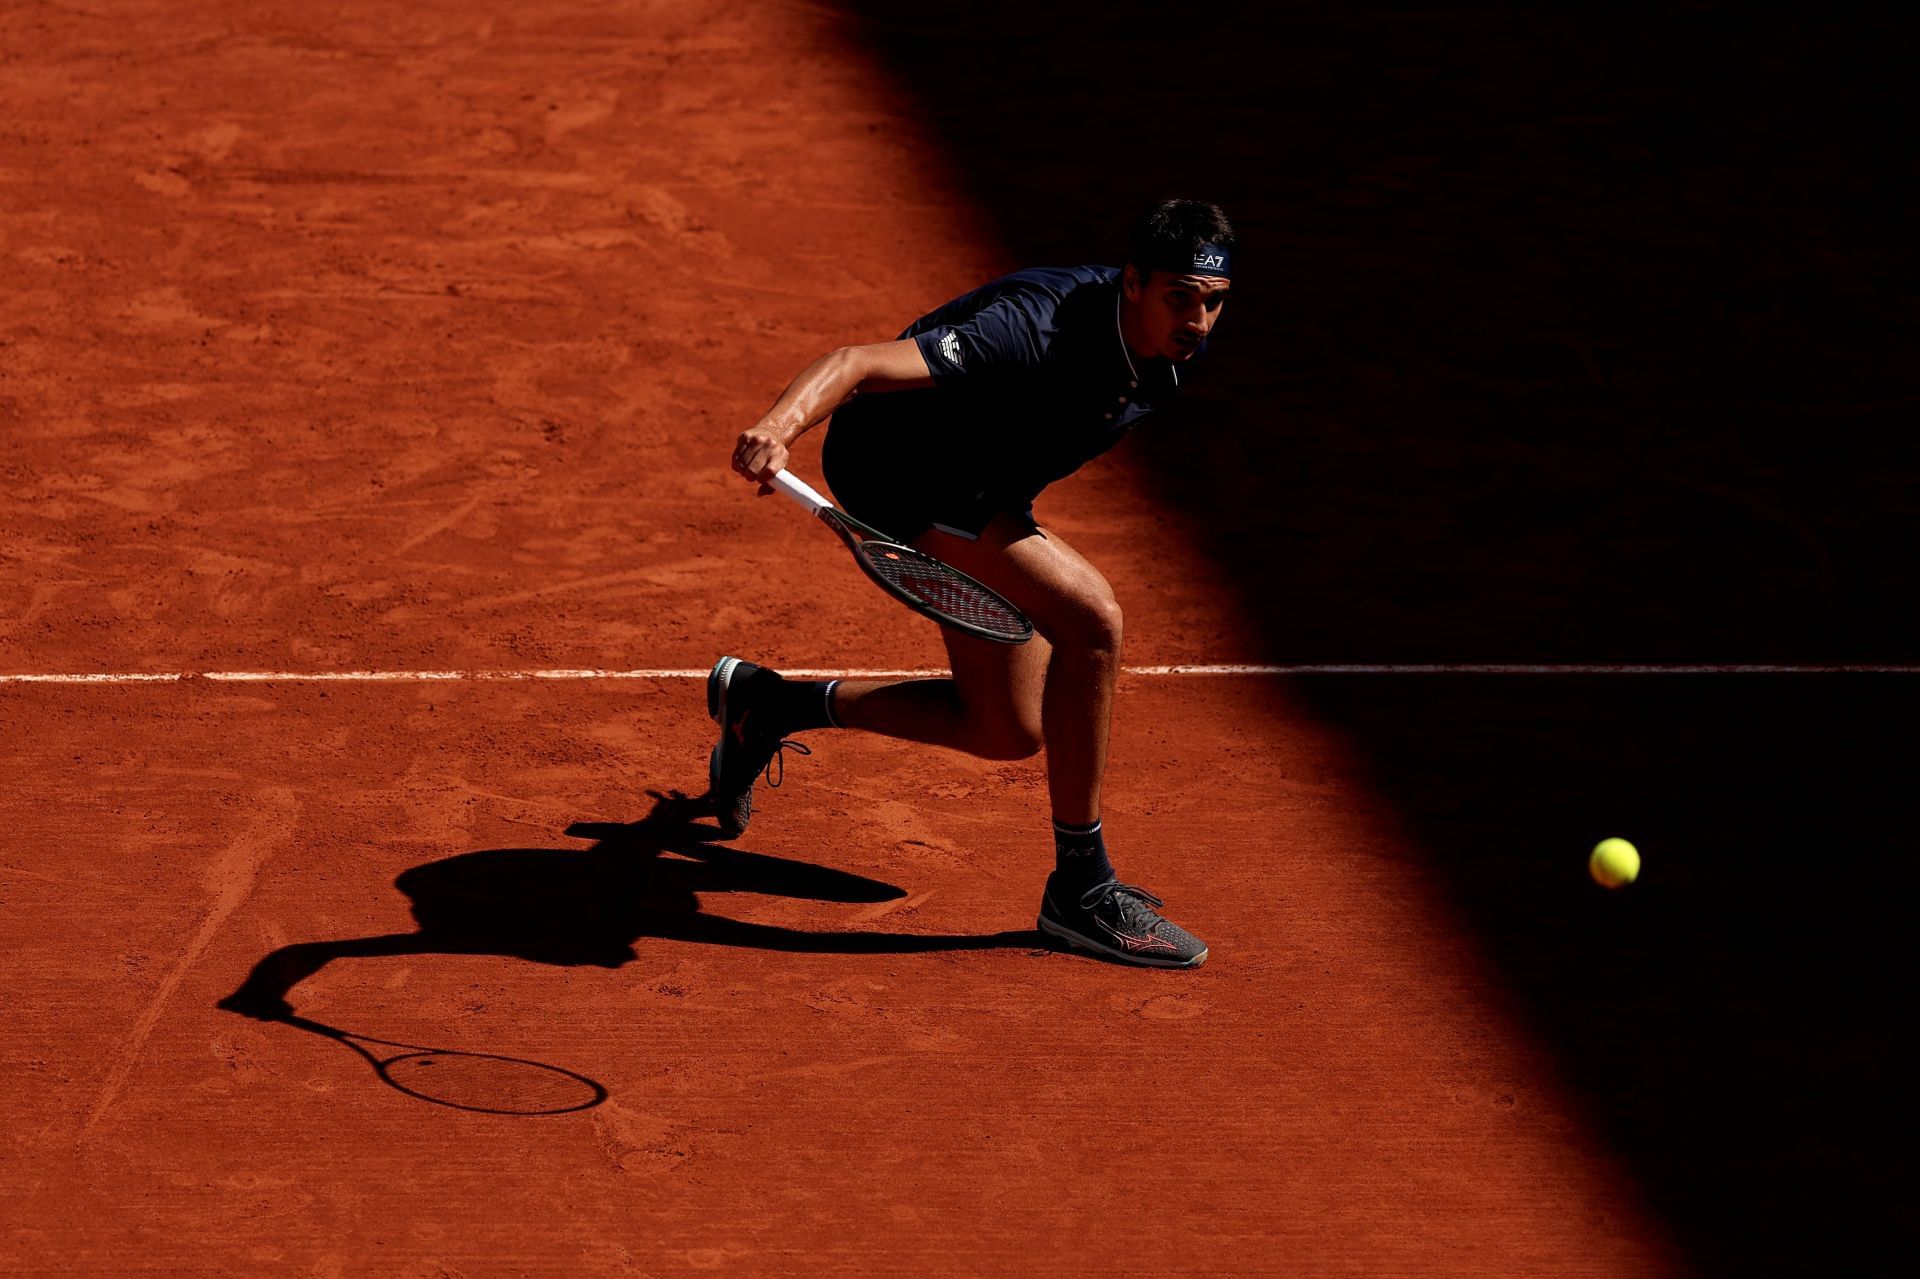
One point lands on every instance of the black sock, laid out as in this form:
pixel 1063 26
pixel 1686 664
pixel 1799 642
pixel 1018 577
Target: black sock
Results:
pixel 801 704
pixel 1080 854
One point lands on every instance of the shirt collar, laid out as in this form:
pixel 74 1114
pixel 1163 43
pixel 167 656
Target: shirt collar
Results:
pixel 1120 336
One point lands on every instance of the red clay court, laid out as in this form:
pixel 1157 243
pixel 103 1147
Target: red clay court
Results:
pixel 367 377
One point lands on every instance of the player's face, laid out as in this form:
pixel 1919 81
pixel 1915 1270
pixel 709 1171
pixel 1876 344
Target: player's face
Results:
pixel 1176 312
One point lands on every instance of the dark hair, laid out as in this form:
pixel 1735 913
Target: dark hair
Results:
pixel 1172 230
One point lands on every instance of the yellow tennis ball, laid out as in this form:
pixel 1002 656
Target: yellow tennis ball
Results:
pixel 1614 863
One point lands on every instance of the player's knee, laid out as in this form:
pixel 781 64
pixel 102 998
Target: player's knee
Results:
pixel 1002 723
pixel 1012 733
pixel 1091 622
pixel 1016 740
pixel 1025 739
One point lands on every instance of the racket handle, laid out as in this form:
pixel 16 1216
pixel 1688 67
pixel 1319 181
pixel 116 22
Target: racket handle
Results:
pixel 799 490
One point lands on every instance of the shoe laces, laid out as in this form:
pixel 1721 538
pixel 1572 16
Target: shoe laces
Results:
pixel 1114 888
pixel 779 757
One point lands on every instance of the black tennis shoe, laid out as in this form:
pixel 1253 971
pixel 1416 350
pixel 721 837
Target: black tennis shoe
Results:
pixel 1119 921
pixel 739 700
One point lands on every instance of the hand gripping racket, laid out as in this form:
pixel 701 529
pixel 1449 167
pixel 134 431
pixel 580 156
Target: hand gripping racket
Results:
pixel 921 582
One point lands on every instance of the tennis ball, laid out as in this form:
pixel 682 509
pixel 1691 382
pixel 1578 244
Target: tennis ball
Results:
pixel 1614 863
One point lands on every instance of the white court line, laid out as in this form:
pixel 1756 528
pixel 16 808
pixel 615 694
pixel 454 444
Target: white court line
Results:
pixel 88 679
pixel 671 673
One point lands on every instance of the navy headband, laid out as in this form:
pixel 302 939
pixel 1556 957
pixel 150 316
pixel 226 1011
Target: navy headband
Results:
pixel 1208 259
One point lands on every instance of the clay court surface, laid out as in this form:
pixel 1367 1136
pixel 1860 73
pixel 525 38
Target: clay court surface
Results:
pixel 414 339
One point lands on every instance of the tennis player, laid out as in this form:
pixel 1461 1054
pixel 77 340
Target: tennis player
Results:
pixel 943 439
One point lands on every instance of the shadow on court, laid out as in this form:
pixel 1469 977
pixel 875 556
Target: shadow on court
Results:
pixel 1733 1020
pixel 588 907
pixel 1557 337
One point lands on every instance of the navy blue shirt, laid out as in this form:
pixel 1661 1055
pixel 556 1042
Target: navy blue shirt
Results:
pixel 1031 381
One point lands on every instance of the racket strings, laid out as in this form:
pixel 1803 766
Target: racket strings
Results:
pixel 928 580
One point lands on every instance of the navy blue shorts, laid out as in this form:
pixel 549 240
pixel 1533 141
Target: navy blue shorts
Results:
pixel 904 506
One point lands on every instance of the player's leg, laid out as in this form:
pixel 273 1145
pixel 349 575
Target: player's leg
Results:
pixel 990 706
pixel 993 705
pixel 1004 701
pixel 993 694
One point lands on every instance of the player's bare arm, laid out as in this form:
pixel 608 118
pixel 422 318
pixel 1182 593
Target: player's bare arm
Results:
pixel 820 389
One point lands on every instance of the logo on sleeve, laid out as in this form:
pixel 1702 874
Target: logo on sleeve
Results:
pixel 950 349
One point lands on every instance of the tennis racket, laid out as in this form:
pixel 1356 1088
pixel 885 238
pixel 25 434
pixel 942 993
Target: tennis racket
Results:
pixel 485 1082
pixel 918 580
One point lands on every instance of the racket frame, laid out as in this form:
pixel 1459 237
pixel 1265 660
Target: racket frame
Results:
pixel 873 540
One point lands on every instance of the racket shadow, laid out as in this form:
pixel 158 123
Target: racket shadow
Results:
pixel 588 907
pixel 484 1083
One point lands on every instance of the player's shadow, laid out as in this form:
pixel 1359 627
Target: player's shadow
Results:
pixel 588 907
